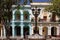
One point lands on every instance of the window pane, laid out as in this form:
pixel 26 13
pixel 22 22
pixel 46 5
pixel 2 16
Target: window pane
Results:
pixel 17 15
pixel 26 15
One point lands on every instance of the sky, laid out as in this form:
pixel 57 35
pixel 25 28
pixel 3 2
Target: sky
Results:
pixel 40 0
pixel 35 1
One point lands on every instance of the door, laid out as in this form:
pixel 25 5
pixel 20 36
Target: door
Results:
pixel 45 31
pixel 53 31
pixel 26 30
pixel 17 30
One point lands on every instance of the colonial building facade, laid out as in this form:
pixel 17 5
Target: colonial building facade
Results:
pixel 23 21
pixel 46 26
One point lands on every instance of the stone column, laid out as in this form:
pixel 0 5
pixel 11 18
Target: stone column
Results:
pixel 30 14
pixel 13 16
pixel 13 26
pixel 49 30
pixel 30 26
pixel 21 15
pixel 22 31
pixel 13 31
pixel 40 30
pixel 57 30
pixel 21 23
pixel 30 29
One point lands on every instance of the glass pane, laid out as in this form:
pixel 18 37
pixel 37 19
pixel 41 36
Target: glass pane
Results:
pixel 26 15
pixel 17 15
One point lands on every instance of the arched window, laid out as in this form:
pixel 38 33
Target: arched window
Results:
pixel 53 31
pixel 26 15
pixel 17 15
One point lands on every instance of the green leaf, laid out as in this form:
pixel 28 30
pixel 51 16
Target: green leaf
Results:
pixel 54 8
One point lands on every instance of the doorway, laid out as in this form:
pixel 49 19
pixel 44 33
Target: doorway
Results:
pixel 45 31
pixel 36 31
pixel 53 31
pixel 26 30
pixel 18 30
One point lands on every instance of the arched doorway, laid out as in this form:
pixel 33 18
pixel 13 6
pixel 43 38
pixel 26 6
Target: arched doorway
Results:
pixel 26 30
pixel 17 30
pixel 36 31
pixel 45 31
pixel 53 31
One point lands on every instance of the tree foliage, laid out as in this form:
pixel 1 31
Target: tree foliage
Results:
pixel 5 9
pixel 55 7
pixel 6 13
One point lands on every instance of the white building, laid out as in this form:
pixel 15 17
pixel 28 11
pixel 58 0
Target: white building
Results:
pixel 45 25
